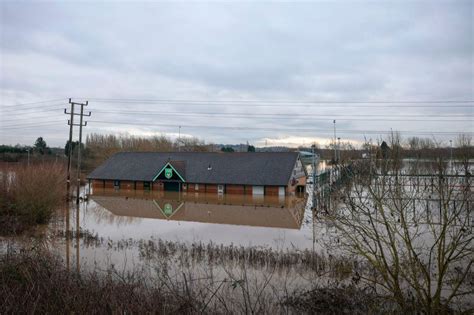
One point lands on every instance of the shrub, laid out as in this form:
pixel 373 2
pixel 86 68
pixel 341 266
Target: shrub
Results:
pixel 31 194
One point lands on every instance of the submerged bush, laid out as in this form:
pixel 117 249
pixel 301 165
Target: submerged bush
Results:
pixel 34 281
pixel 30 194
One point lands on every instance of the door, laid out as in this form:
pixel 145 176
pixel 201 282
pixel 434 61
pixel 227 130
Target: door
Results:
pixel 220 189
pixel 281 191
pixel 171 186
pixel 258 190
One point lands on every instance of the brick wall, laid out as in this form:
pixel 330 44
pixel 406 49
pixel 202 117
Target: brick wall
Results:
pixel 235 189
pixel 97 184
pixel 210 188
pixel 109 184
pixel 248 190
pixel 127 185
pixel 271 190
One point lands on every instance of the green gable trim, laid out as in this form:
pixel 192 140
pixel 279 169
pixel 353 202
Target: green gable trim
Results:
pixel 165 167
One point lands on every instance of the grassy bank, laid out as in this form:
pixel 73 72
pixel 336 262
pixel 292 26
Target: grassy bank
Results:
pixel 29 195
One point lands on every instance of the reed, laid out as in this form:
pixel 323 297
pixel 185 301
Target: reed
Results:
pixel 30 195
pixel 36 281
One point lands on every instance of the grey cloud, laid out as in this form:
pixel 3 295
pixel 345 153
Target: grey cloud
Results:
pixel 334 51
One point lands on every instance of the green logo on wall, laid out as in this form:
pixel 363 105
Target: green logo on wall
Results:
pixel 168 173
pixel 168 209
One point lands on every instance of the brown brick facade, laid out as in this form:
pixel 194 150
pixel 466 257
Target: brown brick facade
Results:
pixel 271 190
pixel 248 190
pixel 97 184
pixel 202 188
pixel 127 184
pixel 235 189
pixel 109 184
pixel 210 188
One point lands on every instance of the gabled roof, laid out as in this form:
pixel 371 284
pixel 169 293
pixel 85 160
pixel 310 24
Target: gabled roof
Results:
pixel 252 168
pixel 178 166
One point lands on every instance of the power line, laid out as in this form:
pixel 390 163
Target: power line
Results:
pixel 31 118
pixel 56 125
pixel 33 103
pixel 315 105
pixel 277 129
pixel 282 101
pixel 26 124
pixel 286 115
pixel 319 130
pixel 32 109
pixel 42 111
pixel 273 116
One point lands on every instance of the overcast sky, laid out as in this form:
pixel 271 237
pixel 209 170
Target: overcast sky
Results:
pixel 237 72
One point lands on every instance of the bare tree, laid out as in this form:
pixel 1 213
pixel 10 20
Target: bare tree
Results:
pixel 412 231
pixel 465 151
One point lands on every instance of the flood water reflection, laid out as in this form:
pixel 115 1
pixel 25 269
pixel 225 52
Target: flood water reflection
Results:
pixel 263 211
pixel 269 221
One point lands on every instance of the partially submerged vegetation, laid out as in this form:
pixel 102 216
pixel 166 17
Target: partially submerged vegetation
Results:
pixel 402 242
pixel 412 225
pixel 212 254
pixel 29 195
pixel 41 283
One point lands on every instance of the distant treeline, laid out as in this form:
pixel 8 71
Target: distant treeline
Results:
pixel 16 153
pixel 99 147
pixel 14 149
pixel 413 147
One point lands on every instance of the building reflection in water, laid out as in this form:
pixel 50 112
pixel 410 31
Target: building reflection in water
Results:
pixel 263 211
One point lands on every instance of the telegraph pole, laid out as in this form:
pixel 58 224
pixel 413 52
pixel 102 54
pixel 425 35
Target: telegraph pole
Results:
pixel 338 149
pixel 79 151
pixel 69 158
pixel 72 124
pixel 335 151
pixel 313 169
pixel 179 139
pixel 451 154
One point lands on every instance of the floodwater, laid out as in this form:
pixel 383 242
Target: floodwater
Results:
pixel 138 217
pixel 269 221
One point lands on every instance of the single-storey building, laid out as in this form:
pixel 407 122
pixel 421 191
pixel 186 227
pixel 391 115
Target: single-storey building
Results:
pixel 255 173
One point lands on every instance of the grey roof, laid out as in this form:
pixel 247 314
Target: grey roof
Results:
pixel 253 168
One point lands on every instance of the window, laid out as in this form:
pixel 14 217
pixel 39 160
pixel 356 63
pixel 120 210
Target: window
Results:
pixel 220 189
pixel 116 184
pixel 196 186
pixel 146 185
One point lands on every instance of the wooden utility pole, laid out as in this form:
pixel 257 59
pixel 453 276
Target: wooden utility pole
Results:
pixel 81 124
pixel 335 149
pixel 69 158
pixel 79 150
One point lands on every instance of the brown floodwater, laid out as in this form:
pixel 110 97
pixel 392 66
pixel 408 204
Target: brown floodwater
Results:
pixel 131 217
pixel 271 221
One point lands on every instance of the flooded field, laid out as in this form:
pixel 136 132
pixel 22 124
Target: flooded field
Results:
pixel 114 227
pixel 252 250
pixel 225 219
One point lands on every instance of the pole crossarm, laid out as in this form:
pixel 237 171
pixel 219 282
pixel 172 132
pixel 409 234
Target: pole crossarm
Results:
pixel 83 125
pixel 75 114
